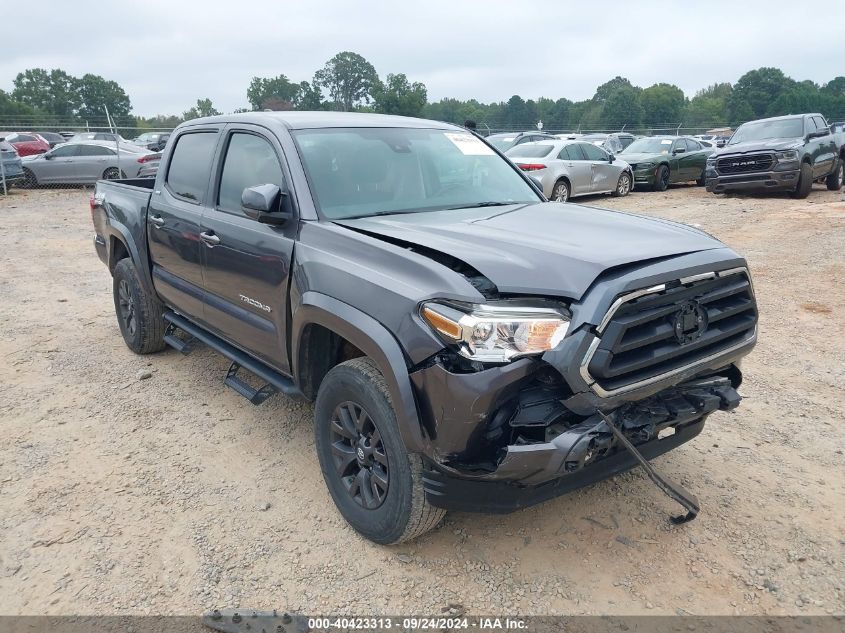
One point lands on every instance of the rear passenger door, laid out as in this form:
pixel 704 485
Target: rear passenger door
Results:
pixel 93 161
pixel 174 217
pixel 247 267
pixel 579 170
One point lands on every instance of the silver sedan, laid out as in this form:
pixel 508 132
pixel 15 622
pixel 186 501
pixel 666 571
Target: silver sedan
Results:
pixel 85 162
pixel 572 168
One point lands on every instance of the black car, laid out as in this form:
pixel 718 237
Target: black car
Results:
pixel 53 138
pixel 468 345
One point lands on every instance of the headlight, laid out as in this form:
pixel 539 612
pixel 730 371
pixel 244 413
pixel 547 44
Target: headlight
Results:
pixel 787 156
pixel 644 166
pixel 711 160
pixel 498 332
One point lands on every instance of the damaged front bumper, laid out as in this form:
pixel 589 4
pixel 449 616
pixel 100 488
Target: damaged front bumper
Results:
pixel 503 439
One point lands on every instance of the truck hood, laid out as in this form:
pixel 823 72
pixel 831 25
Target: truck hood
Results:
pixel 772 144
pixel 539 248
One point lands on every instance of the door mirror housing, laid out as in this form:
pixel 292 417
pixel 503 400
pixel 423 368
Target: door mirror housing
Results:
pixel 537 183
pixel 679 150
pixel 47 156
pixel 611 157
pixel 267 204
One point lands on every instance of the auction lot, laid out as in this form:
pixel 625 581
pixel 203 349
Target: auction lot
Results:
pixel 173 494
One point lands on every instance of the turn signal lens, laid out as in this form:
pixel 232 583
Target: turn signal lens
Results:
pixel 447 327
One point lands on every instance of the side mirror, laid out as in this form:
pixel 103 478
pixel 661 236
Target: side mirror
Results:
pixel 47 156
pixel 537 182
pixel 267 204
pixel 610 157
pixel 679 150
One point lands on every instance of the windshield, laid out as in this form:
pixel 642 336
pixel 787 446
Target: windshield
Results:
pixel 760 130
pixel 649 146
pixel 359 172
pixel 529 150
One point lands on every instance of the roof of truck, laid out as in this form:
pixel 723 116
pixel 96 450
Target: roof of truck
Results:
pixel 297 120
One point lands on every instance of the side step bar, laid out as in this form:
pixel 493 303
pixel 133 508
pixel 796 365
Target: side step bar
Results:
pixel 275 381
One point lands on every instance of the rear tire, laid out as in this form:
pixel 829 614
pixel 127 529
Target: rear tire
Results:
pixel 805 182
pixel 661 179
pixel 834 181
pixel 139 315
pixel 560 192
pixel 113 173
pixel 374 482
pixel 29 179
pixel 623 185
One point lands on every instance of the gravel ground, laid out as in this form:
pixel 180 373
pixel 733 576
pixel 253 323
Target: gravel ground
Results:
pixel 172 494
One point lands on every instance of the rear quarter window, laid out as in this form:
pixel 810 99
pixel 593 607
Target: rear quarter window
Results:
pixel 190 165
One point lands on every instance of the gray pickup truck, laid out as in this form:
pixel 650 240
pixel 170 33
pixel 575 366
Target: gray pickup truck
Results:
pixel 469 345
pixel 787 153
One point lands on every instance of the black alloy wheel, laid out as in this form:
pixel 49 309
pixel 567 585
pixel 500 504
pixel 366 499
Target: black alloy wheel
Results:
pixel 359 455
pixel 126 307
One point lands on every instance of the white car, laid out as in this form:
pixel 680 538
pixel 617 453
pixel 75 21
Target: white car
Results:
pixel 85 163
pixel 573 168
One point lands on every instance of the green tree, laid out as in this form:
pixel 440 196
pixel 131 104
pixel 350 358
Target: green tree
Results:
pixel 662 104
pixel 397 95
pixel 203 108
pixel 266 92
pixel 709 106
pixel 96 94
pixel 349 79
pixel 13 110
pixel 604 91
pixel 622 107
pixel 50 92
pixel 758 89
pixel 740 111
pixel 308 97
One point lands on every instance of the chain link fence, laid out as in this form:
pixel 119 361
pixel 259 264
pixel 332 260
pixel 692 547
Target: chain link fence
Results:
pixel 48 153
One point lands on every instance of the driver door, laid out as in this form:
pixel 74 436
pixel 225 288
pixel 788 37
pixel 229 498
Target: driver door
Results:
pixel 61 166
pixel 603 174
pixel 246 264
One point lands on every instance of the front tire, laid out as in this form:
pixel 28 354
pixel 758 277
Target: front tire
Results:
pixel 805 182
pixel 661 179
pixel 139 314
pixel 834 180
pixel 623 185
pixel 374 482
pixel 560 192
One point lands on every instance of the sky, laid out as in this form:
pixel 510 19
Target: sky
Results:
pixel 167 54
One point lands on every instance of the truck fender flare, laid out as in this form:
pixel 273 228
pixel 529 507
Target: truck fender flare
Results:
pixel 122 234
pixel 374 340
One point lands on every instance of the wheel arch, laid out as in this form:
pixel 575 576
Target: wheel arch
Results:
pixel 122 246
pixel 319 315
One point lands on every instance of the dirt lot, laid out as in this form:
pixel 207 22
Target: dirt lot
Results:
pixel 150 496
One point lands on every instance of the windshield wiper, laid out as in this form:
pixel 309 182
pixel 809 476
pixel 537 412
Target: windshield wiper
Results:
pixel 476 205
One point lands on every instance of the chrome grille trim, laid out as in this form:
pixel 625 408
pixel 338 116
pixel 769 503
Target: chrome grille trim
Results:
pixel 594 344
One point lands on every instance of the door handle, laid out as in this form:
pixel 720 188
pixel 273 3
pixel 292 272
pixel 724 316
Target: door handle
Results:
pixel 210 239
pixel 157 221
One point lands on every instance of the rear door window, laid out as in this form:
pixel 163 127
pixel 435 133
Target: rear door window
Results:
pixel 94 150
pixel 190 165
pixel 571 152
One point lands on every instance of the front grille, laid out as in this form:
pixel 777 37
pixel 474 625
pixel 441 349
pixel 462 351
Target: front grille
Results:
pixel 679 326
pixel 745 163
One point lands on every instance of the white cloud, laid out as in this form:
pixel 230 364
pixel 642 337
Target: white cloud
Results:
pixel 167 54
